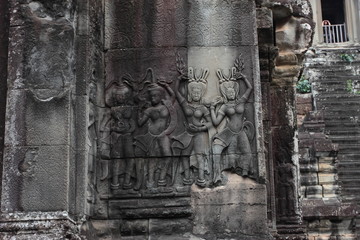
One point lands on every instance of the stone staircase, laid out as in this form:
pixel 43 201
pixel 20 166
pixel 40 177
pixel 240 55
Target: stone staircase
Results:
pixel 335 78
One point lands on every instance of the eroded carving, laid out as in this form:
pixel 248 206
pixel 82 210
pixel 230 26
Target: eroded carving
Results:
pixel 92 143
pixel 122 126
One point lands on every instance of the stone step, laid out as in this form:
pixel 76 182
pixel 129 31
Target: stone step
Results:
pixel 344 133
pixel 342 138
pixel 322 76
pixel 328 95
pixel 339 118
pixel 333 66
pixel 330 100
pixel 344 110
pixel 349 149
pixel 334 90
pixel 332 73
pixel 326 78
pixel 353 190
pixel 344 157
pixel 326 52
pixel 349 181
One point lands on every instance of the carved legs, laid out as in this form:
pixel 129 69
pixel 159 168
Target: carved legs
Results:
pixel 115 184
pixel 139 165
pixel 200 181
pixel 131 163
pixel 186 166
pixel 163 171
pixel 217 150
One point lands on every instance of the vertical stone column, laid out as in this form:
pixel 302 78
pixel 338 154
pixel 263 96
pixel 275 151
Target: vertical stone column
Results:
pixel 293 32
pixel 351 19
pixel 37 180
pixel 4 41
pixel 219 32
pixel 318 33
pixel 267 53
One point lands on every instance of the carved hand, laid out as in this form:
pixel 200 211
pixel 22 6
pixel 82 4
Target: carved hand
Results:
pixel 216 101
pixel 195 129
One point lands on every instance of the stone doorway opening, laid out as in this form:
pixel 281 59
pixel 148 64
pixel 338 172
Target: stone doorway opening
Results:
pixel 333 21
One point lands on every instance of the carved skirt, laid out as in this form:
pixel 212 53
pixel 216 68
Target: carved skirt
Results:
pixel 152 145
pixel 121 146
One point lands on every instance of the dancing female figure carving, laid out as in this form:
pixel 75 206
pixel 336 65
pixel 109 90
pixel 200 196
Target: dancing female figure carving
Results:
pixel 122 128
pixel 161 120
pixel 233 138
pixel 195 140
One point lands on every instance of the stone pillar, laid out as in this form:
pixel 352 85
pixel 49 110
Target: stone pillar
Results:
pixel 216 36
pixel 4 41
pixel 318 33
pixel 351 19
pixel 38 143
pixel 47 114
pixel 293 31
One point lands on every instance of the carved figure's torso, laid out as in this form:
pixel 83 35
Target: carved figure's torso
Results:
pixel 195 113
pixel 159 116
pixel 234 112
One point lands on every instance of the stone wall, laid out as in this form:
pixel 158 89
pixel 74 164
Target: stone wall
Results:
pixel 72 64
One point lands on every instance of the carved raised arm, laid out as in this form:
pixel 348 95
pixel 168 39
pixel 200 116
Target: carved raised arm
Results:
pixel 249 88
pixel 216 119
pixel 178 94
pixel 144 118
pixel 168 89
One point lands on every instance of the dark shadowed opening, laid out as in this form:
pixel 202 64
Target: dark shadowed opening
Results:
pixel 334 26
pixel 333 11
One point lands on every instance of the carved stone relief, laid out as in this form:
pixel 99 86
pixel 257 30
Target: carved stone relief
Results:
pixel 162 135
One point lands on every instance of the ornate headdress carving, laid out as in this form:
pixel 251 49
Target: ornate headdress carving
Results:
pixel 227 82
pixel 202 78
pixel 125 82
pixel 197 81
pixel 151 83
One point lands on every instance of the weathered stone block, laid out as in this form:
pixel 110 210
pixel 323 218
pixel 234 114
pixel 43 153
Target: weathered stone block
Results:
pixel 212 27
pixel 264 18
pixel 314 192
pixel 170 226
pixel 286 58
pixel 134 227
pixel 145 24
pixel 327 167
pixel 309 179
pixel 42 121
pixel 223 210
pixel 326 178
pixel 42 177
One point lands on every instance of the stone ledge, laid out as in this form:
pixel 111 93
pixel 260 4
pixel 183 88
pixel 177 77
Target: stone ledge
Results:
pixel 38 225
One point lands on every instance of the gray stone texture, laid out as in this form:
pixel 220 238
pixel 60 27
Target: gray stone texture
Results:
pixel 39 112
pixel 234 210
pixel 57 154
